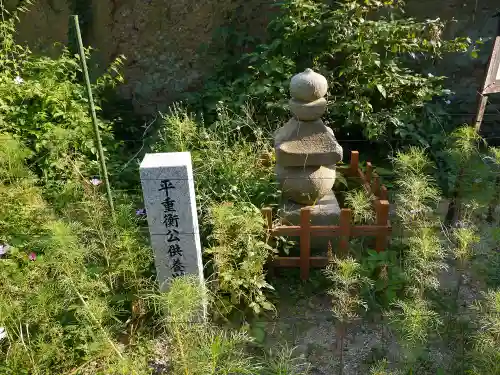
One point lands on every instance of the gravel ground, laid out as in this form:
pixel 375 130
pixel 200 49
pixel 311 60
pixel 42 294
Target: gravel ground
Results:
pixel 305 322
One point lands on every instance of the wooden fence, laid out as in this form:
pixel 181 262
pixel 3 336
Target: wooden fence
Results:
pixel 345 230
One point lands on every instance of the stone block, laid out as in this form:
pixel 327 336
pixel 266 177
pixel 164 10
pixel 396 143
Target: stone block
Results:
pixel 169 199
pixel 306 185
pixel 325 212
pixel 300 143
pixel 308 86
pixel 308 111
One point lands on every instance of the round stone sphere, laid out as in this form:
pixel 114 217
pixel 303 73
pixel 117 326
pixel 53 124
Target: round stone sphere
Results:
pixel 306 185
pixel 308 86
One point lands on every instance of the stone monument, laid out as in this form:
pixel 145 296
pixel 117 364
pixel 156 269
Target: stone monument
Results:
pixel 169 198
pixel 306 155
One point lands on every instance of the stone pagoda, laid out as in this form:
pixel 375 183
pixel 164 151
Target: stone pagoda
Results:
pixel 306 153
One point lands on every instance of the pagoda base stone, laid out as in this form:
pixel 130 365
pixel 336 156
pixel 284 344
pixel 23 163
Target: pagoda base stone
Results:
pixel 325 212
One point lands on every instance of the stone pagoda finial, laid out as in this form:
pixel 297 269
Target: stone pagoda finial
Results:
pixel 306 149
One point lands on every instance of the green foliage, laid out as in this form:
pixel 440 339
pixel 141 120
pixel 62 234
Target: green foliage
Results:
pixel 12 157
pixel 361 204
pixel 239 254
pixel 369 54
pixel 417 193
pixel 475 182
pixel 227 166
pixel 282 362
pixel 424 259
pixel 347 281
pixel 424 253
pixel 346 277
pixel 43 102
pixel 485 354
pixel 66 306
pixel 411 161
pixel 381 368
pixel 88 302
pixel 486 261
pixel 197 347
pixel 465 238
pixel 386 274
pixel 415 321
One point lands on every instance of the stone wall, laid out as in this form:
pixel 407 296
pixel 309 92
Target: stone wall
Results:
pixel 162 39
pixel 473 18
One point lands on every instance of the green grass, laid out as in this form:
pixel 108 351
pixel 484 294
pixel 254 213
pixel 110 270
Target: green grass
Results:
pixel 78 293
pixel 88 303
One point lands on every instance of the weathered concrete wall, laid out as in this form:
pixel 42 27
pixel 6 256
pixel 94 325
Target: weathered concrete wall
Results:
pixel 473 18
pixel 162 38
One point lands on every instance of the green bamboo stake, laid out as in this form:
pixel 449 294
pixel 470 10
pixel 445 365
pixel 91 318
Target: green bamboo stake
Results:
pixel 94 117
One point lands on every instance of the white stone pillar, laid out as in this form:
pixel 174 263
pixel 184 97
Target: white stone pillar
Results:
pixel 169 198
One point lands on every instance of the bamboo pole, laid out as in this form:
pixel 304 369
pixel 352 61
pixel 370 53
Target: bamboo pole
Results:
pixel 102 161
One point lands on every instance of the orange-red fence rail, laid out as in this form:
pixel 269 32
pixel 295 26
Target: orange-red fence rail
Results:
pixel 345 230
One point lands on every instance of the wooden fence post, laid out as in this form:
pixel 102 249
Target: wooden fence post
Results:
pixel 354 163
pixel 384 194
pixel 382 208
pixel 345 232
pixel 267 214
pixel 368 174
pixel 376 185
pixel 305 242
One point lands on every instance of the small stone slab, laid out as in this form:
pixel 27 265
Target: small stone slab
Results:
pixel 169 198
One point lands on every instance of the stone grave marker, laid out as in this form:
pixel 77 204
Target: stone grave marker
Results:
pixel 169 199
pixel 306 156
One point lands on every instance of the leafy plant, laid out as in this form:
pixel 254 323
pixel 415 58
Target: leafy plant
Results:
pixel 423 253
pixel 381 368
pixel 66 285
pixel 282 361
pixel 77 291
pixel 361 204
pixel 228 166
pixel 239 254
pixel 424 259
pixel 367 51
pixel 43 102
pixel 474 176
pixel 199 347
pixel 485 355
pixel 414 321
pixel 387 275
pixel 465 238
pixel 347 280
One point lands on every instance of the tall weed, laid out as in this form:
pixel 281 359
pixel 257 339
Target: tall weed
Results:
pixel 485 354
pixel 67 286
pixel 227 166
pixel 240 252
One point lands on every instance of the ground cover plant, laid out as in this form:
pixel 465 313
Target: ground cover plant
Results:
pixel 78 292
pixel 77 288
pixel 67 286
